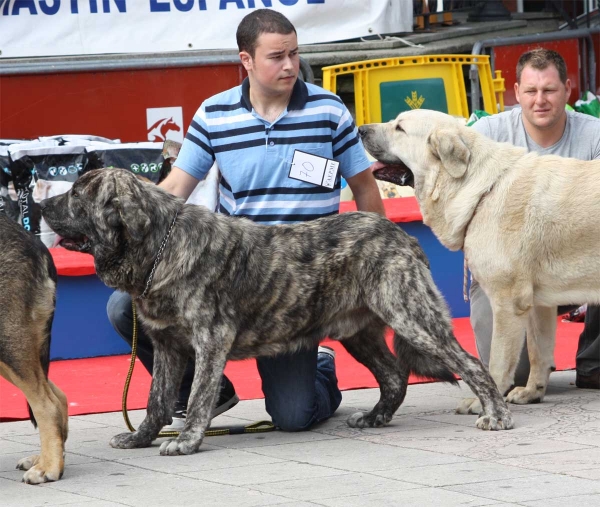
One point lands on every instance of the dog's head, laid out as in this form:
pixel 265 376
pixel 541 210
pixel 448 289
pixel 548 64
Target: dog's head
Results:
pixel 107 212
pixel 436 154
pixel 417 148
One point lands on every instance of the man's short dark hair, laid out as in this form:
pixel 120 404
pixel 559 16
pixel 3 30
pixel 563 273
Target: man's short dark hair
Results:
pixel 258 22
pixel 541 59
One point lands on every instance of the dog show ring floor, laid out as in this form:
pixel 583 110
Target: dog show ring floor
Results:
pixel 427 456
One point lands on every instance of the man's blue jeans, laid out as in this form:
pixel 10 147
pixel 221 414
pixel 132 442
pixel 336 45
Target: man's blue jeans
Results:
pixel 300 389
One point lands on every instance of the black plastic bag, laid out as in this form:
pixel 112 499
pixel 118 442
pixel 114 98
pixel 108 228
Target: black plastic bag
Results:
pixel 40 172
pixel 143 159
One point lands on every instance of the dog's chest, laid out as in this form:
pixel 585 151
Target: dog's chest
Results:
pixel 153 317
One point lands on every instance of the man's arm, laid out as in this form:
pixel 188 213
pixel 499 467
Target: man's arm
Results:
pixel 366 192
pixel 179 183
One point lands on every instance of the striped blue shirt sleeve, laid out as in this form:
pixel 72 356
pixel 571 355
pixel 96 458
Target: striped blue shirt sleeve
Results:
pixel 348 149
pixel 196 156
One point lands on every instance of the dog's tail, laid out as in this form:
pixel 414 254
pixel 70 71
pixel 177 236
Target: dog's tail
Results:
pixel 419 363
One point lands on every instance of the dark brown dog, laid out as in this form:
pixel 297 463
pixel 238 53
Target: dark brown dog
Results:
pixel 28 286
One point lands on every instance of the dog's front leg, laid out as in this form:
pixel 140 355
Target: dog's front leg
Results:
pixel 210 363
pixel 169 365
pixel 541 337
pixel 507 342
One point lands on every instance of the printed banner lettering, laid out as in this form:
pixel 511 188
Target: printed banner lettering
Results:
pixel 89 27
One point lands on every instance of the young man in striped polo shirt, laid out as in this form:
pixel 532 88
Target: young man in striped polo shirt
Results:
pixel 263 136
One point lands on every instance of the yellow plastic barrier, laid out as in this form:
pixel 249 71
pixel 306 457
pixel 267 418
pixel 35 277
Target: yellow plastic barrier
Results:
pixel 385 87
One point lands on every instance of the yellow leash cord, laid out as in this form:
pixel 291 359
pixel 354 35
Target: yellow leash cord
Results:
pixel 257 427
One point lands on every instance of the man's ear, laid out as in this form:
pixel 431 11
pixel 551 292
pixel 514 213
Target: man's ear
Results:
pixel 568 89
pixel 449 147
pixel 246 60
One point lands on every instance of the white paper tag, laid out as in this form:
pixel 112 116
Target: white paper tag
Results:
pixel 313 169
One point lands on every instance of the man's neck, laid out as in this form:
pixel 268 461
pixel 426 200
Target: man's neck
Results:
pixel 549 136
pixel 268 106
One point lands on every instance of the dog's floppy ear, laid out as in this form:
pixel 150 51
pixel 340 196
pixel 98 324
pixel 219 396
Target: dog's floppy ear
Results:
pixel 130 205
pixel 450 148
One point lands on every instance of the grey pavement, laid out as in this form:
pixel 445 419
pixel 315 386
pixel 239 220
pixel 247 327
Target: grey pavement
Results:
pixel 426 456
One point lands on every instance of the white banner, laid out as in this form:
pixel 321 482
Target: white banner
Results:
pixel 91 27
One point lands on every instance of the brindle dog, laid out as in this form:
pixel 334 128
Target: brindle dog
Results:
pixel 27 296
pixel 218 288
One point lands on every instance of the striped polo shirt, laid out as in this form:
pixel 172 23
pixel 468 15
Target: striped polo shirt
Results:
pixel 255 156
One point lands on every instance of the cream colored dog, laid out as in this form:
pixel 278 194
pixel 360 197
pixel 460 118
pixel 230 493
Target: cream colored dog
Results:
pixel 529 226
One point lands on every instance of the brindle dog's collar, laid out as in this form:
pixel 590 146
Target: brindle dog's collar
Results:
pixel 157 259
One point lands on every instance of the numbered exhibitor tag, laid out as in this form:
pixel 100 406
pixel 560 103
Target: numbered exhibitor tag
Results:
pixel 314 169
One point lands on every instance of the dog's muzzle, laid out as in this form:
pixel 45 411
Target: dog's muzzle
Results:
pixel 77 242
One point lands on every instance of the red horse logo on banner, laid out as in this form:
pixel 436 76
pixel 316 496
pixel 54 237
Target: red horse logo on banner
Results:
pixel 158 131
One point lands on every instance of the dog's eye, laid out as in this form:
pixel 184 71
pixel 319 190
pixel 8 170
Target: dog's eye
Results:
pixel 399 127
pixel 74 193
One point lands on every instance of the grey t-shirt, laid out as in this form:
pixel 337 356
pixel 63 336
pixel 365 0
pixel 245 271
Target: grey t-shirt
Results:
pixel 580 140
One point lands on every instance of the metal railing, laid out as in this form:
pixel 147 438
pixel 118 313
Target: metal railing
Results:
pixel 103 63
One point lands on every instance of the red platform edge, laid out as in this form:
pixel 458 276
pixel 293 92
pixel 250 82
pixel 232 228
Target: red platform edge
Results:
pixel 95 385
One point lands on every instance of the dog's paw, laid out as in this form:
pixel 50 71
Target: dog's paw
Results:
pixel 28 462
pixel 38 474
pixel 368 420
pixel 357 420
pixel 493 423
pixel 130 441
pixel 176 447
pixel 522 396
pixel 469 406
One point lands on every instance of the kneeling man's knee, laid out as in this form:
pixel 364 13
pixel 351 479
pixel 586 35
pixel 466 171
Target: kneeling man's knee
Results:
pixel 293 418
pixel 119 312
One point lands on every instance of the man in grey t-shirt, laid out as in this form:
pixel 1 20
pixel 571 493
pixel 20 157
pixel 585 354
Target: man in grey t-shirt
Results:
pixel 543 125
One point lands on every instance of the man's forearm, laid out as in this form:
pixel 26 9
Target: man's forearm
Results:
pixel 366 192
pixel 370 201
pixel 179 183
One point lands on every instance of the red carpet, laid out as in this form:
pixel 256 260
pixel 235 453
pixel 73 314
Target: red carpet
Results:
pixel 96 385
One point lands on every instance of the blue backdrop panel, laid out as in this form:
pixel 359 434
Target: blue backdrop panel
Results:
pixel 446 267
pixel 81 327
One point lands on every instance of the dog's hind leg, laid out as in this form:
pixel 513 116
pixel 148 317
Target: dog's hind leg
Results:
pixel 495 414
pixel 49 409
pixel 47 402
pixel 64 408
pixel 369 348
pixel 50 415
pixel 445 350
pixel 169 365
